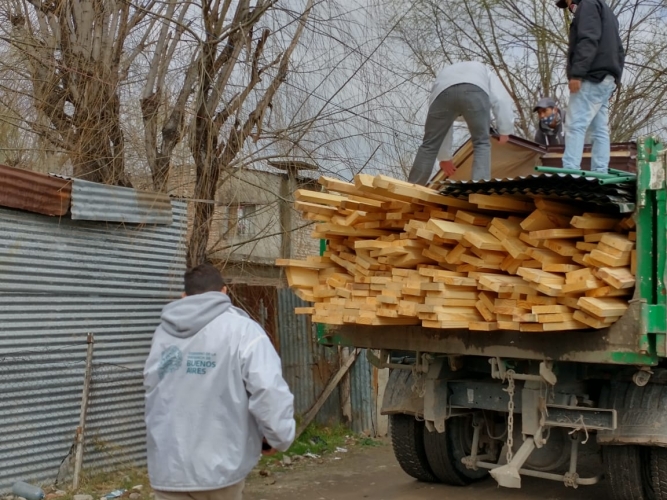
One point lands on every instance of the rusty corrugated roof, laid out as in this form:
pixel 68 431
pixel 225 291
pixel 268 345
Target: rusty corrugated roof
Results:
pixel 34 192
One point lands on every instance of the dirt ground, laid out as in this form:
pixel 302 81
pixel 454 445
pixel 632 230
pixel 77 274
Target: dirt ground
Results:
pixel 372 473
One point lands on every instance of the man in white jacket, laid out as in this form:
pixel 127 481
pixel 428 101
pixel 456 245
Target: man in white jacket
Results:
pixel 469 90
pixel 214 392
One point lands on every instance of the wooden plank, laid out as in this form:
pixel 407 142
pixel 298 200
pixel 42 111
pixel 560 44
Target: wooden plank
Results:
pixel 531 327
pixel 550 234
pixel 584 222
pixel 486 313
pixel 509 325
pixel 555 318
pixel 500 283
pixel 506 306
pixel 525 317
pixel 565 248
pixel 472 218
pixel 556 207
pixel 569 301
pixel 550 289
pixel 304 310
pixel 309 196
pixel 508 227
pixel 579 275
pixel 502 203
pixel 488 300
pixel 483 326
pixel 301 278
pixel 483 240
pixel 609 291
pixel 594 237
pixel 449 294
pixel 416 193
pixel 582 286
pixel 425 234
pixel 535 300
pixel 515 247
pixel 617 241
pixel 619 277
pixel 336 229
pixel 560 268
pixel 478 263
pixel 445 324
pixel 603 307
pixel 593 321
pixel 455 281
pixel 315 208
pixel 586 247
pixel 454 255
pixel 546 256
pixel 550 309
pixel 539 276
pixel 566 325
pixel 611 260
pixel 540 220
pixel 448 230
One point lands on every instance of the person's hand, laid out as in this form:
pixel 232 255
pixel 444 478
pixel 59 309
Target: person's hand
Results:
pixel 503 139
pixel 267 449
pixel 575 86
pixel 448 167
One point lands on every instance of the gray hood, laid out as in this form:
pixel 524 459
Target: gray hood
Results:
pixel 186 317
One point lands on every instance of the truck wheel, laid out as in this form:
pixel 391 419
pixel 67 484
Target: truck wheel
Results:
pixel 460 431
pixel 441 459
pixel 407 440
pixel 657 465
pixel 623 471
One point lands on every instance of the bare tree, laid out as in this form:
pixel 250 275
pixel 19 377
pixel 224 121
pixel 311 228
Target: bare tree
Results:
pixel 525 42
pixel 74 56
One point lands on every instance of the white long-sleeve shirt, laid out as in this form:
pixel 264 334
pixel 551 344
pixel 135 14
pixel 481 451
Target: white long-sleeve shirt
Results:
pixel 481 76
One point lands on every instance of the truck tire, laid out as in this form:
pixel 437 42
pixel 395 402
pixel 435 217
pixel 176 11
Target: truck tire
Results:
pixel 440 458
pixel 623 471
pixel 657 466
pixel 407 440
pixel 460 432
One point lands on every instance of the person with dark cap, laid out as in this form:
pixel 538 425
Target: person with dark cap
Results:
pixel 550 127
pixel 595 63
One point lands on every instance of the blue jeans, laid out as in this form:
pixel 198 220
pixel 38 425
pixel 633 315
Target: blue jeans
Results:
pixel 589 110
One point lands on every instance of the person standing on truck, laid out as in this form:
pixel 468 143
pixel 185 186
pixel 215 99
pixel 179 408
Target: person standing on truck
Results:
pixel 215 395
pixel 595 63
pixel 550 126
pixel 467 90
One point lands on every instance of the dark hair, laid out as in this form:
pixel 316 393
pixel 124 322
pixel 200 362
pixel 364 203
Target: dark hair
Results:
pixel 203 278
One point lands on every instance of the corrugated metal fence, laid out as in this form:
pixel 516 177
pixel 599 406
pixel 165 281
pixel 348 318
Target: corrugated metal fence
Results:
pixel 308 366
pixel 59 280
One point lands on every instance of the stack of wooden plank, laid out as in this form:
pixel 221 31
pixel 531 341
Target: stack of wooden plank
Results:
pixel 401 254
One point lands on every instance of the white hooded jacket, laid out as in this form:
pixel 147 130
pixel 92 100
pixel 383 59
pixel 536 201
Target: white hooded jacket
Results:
pixel 214 388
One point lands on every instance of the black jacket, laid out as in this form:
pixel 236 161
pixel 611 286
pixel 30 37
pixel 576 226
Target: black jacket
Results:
pixel 596 49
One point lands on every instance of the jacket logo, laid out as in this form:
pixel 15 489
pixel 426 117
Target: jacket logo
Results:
pixel 199 362
pixel 170 361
